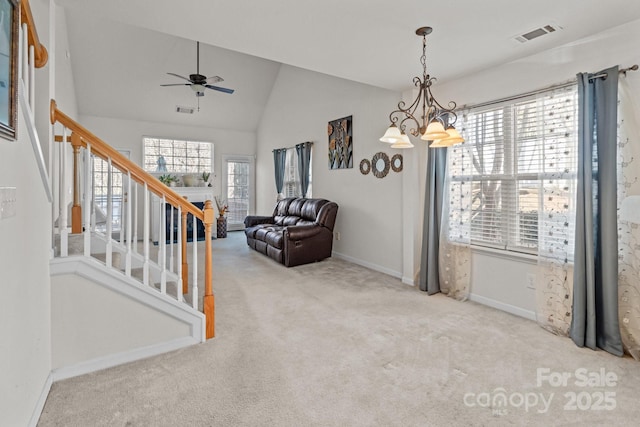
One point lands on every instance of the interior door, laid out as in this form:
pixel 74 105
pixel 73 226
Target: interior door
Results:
pixel 238 186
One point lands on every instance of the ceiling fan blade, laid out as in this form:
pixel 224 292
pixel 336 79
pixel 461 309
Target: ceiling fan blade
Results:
pixel 179 76
pixel 177 84
pixel 214 79
pixel 220 89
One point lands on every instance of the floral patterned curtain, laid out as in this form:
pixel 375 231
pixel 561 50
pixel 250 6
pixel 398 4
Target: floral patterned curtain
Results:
pixel 628 219
pixel 455 230
pixel 556 219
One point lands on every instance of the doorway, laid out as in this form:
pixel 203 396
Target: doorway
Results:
pixel 238 186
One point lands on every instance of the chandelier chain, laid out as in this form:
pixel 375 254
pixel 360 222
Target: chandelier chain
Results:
pixel 423 58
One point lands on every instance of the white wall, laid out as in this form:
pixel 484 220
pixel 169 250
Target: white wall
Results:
pixel 370 209
pixel 508 290
pixel 92 321
pixel 25 343
pixel 25 307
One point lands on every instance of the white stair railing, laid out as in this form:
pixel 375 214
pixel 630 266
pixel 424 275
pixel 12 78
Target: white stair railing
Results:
pixel 117 238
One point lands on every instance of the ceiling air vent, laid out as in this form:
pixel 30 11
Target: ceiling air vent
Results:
pixel 185 110
pixel 537 32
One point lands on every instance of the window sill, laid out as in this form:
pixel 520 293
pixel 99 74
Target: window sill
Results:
pixel 509 255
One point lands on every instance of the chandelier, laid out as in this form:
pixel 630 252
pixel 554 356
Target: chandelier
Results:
pixel 435 122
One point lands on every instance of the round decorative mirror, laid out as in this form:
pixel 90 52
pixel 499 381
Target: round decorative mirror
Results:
pixel 365 166
pixel 396 163
pixel 380 165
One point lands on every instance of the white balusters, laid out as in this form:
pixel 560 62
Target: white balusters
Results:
pixel 194 267
pixel 62 217
pixel 109 254
pixel 88 199
pixel 134 200
pixel 127 268
pixel 180 255
pixel 145 236
pixel 162 245
pixel 171 236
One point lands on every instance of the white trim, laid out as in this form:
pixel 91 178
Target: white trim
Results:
pixel 505 254
pixel 408 281
pixel 116 359
pixel 369 265
pixel 512 309
pixel 98 273
pixel 37 411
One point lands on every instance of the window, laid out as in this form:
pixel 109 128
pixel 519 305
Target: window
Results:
pixel 291 175
pixel 178 156
pixel 519 167
pixel 292 186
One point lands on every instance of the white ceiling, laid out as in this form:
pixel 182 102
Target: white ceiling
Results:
pixel 121 49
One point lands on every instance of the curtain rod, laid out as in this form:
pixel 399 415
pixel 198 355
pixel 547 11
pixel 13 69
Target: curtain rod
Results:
pixel 287 148
pixel 546 89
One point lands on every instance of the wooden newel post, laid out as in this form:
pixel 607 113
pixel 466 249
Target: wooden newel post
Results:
pixel 185 264
pixel 76 209
pixel 209 301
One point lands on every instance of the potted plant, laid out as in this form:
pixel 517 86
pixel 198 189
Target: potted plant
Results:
pixel 205 178
pixel 168 180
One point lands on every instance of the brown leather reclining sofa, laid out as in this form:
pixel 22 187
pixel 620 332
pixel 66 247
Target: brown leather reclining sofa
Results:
pixel 300 231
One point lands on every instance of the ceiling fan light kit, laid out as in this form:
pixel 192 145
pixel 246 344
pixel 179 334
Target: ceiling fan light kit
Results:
pixel 198 82
pixel 435 122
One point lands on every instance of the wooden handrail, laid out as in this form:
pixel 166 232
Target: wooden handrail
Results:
pixel 138 174
pixel 40 52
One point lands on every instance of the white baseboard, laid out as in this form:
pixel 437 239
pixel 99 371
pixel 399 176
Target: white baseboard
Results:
pixel 408 281
pixel 116 359
pixel 37 411
pixel 369 265
pixel 512 309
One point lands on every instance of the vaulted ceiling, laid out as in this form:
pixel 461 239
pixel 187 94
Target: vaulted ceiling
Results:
pixel 121 50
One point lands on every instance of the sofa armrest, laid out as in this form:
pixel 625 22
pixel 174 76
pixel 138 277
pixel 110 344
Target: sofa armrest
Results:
pixel 302 232
pixel 252 220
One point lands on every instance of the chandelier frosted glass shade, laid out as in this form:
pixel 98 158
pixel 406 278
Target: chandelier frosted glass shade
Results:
pixel 453 138
pixel 403 142
pixel 392 134
pixel 434 131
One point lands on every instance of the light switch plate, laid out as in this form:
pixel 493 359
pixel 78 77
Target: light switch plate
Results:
pixel 7 202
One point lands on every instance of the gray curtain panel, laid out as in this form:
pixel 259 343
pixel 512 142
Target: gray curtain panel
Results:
pixel 595 276
pixel 304 160
pixel 429 270
pixel 279 158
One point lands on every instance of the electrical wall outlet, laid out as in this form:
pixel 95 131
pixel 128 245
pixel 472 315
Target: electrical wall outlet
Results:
pixel 336 234
pixel 531 281
pixel 7 202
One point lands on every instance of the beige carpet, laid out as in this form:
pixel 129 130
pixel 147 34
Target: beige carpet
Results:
pixel 335 344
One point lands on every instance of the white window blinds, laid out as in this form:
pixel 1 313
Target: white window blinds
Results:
pixel 520 160
pixel 291 175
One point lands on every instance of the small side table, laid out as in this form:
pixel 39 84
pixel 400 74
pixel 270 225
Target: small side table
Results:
pixel 222 227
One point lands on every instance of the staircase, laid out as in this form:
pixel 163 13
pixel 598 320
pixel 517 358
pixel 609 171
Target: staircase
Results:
pixel 116 296
pixel 133 298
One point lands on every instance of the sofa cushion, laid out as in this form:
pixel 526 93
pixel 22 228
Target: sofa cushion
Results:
pixel 311 208
pixel 274 238
pixel 295 208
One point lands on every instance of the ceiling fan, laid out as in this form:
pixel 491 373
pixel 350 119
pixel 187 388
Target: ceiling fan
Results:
pixel 198 82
